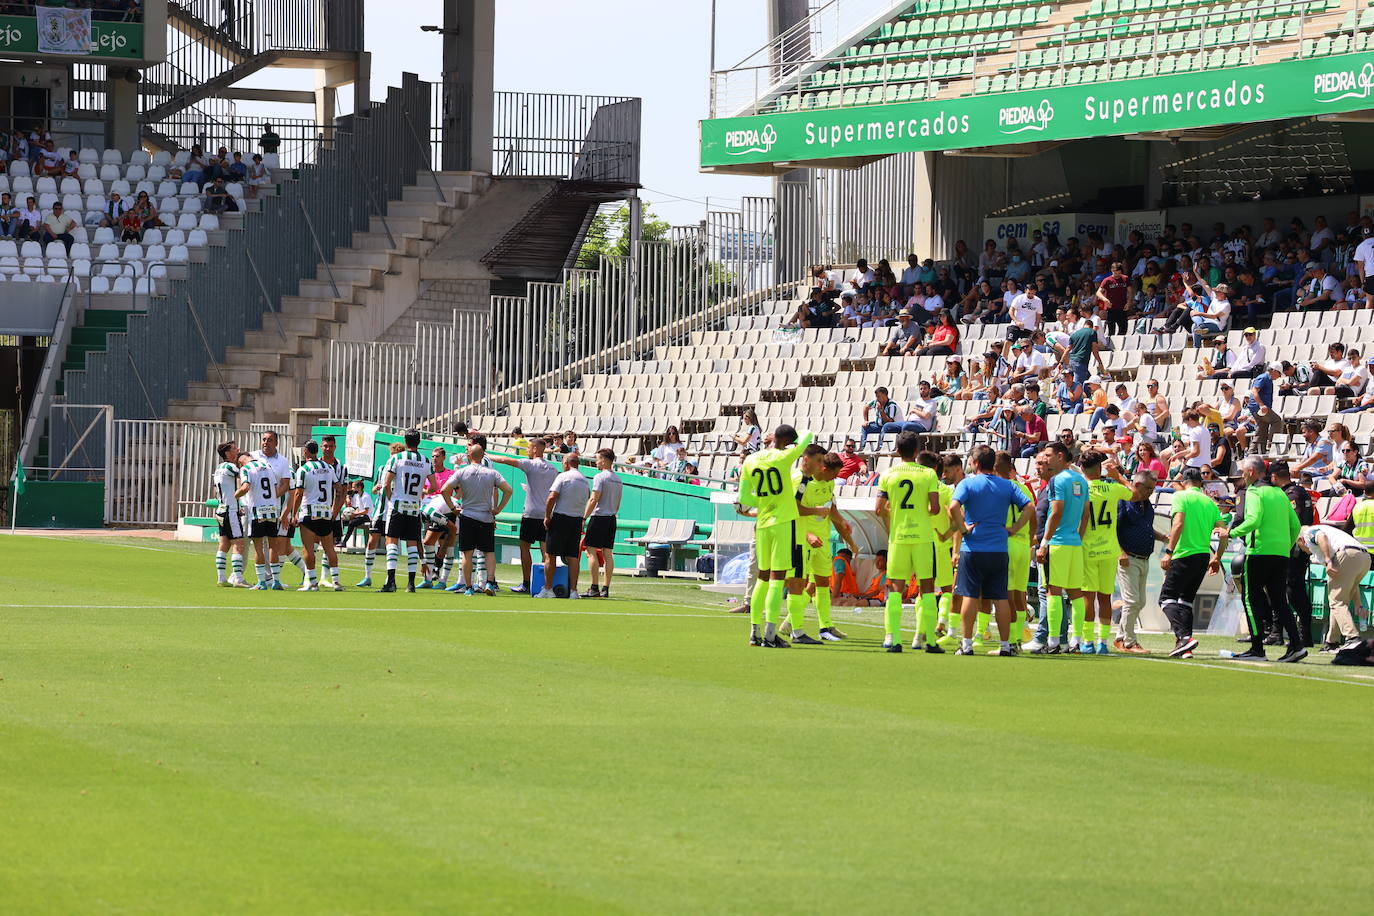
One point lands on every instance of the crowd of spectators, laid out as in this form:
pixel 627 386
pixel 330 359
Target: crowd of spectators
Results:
pixel 1061 303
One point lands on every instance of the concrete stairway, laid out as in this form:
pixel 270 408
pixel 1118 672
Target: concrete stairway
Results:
pixel 281 366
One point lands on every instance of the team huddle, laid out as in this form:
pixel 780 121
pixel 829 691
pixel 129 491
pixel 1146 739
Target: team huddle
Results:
pixel 961 541
pixel 429 510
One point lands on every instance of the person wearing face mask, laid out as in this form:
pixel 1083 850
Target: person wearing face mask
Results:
pixel 1017 268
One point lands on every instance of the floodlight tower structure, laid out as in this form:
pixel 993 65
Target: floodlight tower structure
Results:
pixel 469 33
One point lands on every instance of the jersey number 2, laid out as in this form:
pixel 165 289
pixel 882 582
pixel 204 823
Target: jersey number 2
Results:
pixel 908 488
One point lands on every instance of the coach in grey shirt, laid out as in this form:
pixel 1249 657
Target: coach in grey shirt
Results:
pixel 602 507
pixel 478 485
pixel 563 512
pixel 539 476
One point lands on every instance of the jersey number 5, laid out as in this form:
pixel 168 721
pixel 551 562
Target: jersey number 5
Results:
pixel 324 494
pixel 768 482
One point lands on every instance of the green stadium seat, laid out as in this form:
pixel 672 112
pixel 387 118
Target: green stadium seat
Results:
pixel 1323 46
pixel 1341 45
pixel 1367 18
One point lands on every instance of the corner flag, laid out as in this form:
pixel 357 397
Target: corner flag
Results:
pixel 20 478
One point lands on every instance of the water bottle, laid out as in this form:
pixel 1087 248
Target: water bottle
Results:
pixel 1226 653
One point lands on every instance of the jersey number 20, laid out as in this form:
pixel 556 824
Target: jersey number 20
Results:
pixel 768 482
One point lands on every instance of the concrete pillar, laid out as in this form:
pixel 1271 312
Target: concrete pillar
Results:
pixel 469 56
pixel 121 117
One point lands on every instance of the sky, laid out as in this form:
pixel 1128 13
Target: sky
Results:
pixel 594 47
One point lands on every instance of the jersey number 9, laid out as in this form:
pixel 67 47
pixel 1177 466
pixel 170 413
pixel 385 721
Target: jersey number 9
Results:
pixel 266 487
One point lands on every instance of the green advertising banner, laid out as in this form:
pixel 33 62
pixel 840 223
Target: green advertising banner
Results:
pixel 1264 92
pixel 101 39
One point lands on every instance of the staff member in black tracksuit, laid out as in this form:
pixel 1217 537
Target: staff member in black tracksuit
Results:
pixel 1298 561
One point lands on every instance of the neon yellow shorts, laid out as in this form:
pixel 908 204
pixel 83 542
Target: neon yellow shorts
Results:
pixel 1099 571
pixel 1064 566
pixel 1018 564
pixel 911 559
pixel 773 547
pixel 816 560
pixel 944 565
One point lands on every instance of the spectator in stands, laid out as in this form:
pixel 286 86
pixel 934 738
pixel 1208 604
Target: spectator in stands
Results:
pixel 1325 373
pixel 218 164
pixel 9 215
pixel 196 167
pixel 884 278
pixel 1193 447
pixel 58 227
pixel 863 278
pixel 115 208
pixel 1250 359
pixel 1320 291
pixel 1352 473
pixel 951 379
pixel 1027 313
pixel 50 161
pixel 750 435
pixel 1318 452
pixel 1218 362
pixel 944 338
pixel 1215 316
pixel 1114 294
pixel 668 446
pixel 30 220
pixel 1085 347
pixel 269 142
pixel 904 338
pixel 1069 393
pixel 965 265
pixel 853 461
pixel 218 199
pixel 911 275
pixel 921 413
pixel 569 444
pixel 1031 432
pixel 1353 381
pixel 237 170
pixel 880 412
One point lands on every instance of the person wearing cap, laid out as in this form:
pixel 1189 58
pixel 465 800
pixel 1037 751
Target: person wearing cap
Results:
pixel 1320 290
pixel 1068 393
pixel 1250 358
pixel 1215 316
pixel 1347 563
pixel 904 337
pixel 1217 363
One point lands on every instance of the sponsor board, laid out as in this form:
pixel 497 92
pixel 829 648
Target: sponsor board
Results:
pixel 62 32
pixel 1149 223
pixel 1061 225
pixel 1262 92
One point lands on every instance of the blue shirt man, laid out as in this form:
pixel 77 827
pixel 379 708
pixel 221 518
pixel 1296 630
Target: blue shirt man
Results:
pixel 1261 392
pixel 985 499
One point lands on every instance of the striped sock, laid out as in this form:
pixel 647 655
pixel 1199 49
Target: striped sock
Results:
pixel 393 551
pixel 237 561
pixel 369 557
pixel 412 559
pixel 276 571
pixel 296 559
pixel 219 564
pixel 261 572
pixel 310 575
pixel 448 568
pixel 429 560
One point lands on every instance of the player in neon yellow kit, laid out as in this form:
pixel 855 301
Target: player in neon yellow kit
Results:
pixel 950 470
pixel 1018 552
pixel 908 501
pixel 765 485
pixel 1101 551
pixel 814 485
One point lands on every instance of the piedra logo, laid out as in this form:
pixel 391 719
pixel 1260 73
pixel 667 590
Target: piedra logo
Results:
pixel 740 142
pixel 1020 118
pixel 1334 85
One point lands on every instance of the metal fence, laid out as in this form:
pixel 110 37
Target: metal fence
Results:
pixel 412 384
pixel 184 333
pixel 197 460
pixel 552 135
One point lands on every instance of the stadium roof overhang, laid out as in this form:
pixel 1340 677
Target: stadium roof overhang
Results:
pixel 1198 105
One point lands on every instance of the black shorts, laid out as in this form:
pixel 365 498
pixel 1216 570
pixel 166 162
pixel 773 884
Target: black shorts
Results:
pixel 230 526
pixel 1183 578
pixel 600 532
pixel 403 527
pixel 438 526
pixel 262 528
pixel 338 531
pixel 983 575
pixel 320 527
pixel 378 524
pixel 565 535
pixel 285 530
pixel 532 530
pixel 1369 285
pixel 475 534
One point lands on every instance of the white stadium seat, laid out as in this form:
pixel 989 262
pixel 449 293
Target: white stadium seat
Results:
pixel 46 185
pixel 157 271
pixel 152 237
pixel 108 252
pixel 123 286
pixel 96 202
pixel 19 169
pixel 120 187
pixel 188 189
pixel 145 185
pixel 31 249
pixel 169 205
pixel 45 278
pixel 81 250
pixel 156 173
pixel 235 190
pixel 81 267
pixel 33 266
pixel 112 157
pixel 178 255
pixel 45 201
pixel 93 186
pixel 187 221
pixel 9 265
pixel 133 251
pixel 71 202
pixel 20 184
pixel 99 285
pixel 182 157
pixel 167 189
pixel 55 250
pixel 109 173
pixel 155 252
pixel 209 221
pixel 20 278
pixel 196 238
pixel 4 183
pixel 103 234
pixel 162 158
pixel 8 248
pixel 135 173
pixel 139 157
pixel 69 186
pixel 87 156
pixel 191 205
pixel 87 172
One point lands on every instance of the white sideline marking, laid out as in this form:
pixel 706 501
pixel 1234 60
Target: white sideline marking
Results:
pixel 1255 668
pixel 383 610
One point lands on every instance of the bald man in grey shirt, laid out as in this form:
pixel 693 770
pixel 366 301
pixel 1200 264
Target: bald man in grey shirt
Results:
pixel 478 486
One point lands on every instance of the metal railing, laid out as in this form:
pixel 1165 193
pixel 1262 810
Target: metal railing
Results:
pixel 761 85
pixel 830 26
pixel 162 352
pixel 551 135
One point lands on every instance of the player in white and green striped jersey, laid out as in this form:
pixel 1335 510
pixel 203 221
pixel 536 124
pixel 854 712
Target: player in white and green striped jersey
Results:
pixel 225 483
pixel 316 499
pixel 261 490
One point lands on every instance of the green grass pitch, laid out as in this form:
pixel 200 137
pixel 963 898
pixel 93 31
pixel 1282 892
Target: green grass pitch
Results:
pixel 166 746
